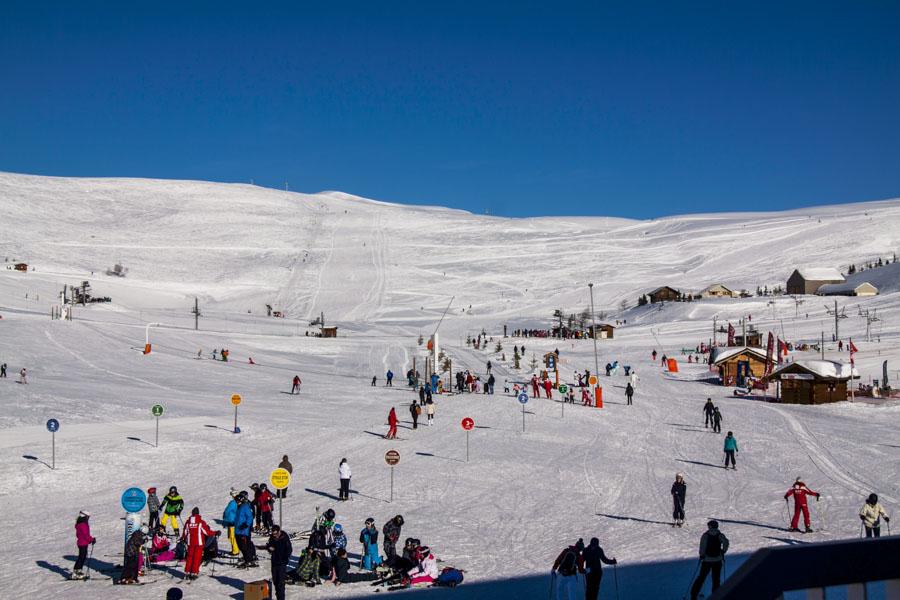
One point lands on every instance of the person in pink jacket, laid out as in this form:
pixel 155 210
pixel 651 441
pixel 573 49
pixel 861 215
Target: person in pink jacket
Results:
pixel 83 539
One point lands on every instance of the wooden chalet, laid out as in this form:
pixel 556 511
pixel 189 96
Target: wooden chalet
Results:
pixel 717 290
pixel 329 332
pixel 813 381
pixel 605 331
pixel 21 267
pixel 809 280
pixel 735 365
pixel 664 294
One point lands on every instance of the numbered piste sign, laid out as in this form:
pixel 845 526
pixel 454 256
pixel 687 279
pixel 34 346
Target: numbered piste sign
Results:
pixel 468 423
pixel 280 478
pixel 157 410
pixel 563 388
pixel 392 457
pixel 133 499
pixel 235 399
pixel 523 398
pixel 52 425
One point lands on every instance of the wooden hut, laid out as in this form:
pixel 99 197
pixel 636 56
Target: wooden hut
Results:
pixel 21 267
pixel 664 294
pixel 604 331
pixel 329 332
pixel 717 290
pixel 735 365
pixel 813 381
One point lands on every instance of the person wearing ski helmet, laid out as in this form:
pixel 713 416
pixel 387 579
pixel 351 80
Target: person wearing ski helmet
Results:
pixel 391 532
pixel 196 530
pixel 229 517
pixel 730 447
pixel 243 526
pixel 265 501
pixel 153 508
pixel 368 537
pixel 426 569
pixel 172 505
pixel 679 493
pixel 713 546
pixel 83 539
pixel 799 491
pixel 871 514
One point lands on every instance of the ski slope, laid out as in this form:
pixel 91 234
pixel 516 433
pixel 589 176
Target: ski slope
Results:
pixel 384 274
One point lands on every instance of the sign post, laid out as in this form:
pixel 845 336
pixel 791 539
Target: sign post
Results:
pixel 467 424
pixel 53 427
pixel 392 458
pixel 236 400
pixel 523 400
pixel 133 501
pixel 598 391
pixel 157 410
pixel 280 479
pixel 563 389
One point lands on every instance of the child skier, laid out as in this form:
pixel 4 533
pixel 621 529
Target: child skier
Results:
pixel 871 514
pixel 368 537
pixel 730 448
pixel 296 387
pixel 679 493
pixel 153 508
pixel 717 420
pixel 172 505
pixel 799 491
pixel 429 411
pixel 83 539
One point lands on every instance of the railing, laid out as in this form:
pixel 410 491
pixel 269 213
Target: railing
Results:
pixel 770 572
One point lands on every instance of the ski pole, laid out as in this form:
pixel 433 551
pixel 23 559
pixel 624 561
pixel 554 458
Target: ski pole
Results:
pixel 616 578
pixel 88 562
pixel 552 581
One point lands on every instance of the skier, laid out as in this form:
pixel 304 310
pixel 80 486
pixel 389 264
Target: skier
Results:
pixel 229 516
pixel 426 569
pixel 391 532
pixel 717 420
pixel 414 411
pixel 279 546
pixel 870 514
pixel 368 537
pixel 713 546
pixel 708 410
pixel 730 448
pixel 392 425
pixel 243 525
pixel 629 392
pixel 3 370
pixel 429 411
pixel 594 559
pixel 340 571
pixel 489 386
pixel 799 491
pixel 257 513
pixel 633 378
pixel 287 466
pixel 23 376
pixel 565 571
pixel 83 539
pixel 374 379
pixel 535 388
pixel 548 388
pixel 265 502
pixel 133 549
pixel 664 361
pixel 296 387
pixel 390 378
pixel 172 505
pixel 153 508
pixel 195 533
pixel 679 492
pixel 653 355
pixel 489 367
pixel 422 394
pixel 344 475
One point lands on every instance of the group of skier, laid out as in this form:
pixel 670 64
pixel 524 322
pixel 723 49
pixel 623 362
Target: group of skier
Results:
pixel 579 560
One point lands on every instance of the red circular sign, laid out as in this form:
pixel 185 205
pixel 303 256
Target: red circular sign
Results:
pixel 468 423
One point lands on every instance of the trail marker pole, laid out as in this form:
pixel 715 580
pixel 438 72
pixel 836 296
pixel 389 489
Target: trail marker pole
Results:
pixel 392 458
pixel 157 411
pixel 523 400
pixel 236 400
pixel 467 424
pixel 280 479
pixel 53 427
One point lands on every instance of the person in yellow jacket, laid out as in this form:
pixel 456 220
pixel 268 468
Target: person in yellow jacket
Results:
pixel 871 514
pixel 172 505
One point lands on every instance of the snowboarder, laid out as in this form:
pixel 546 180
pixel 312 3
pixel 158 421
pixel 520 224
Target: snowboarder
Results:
pixel 368 537
pixel 717 420
pixel 391 532
pixel 390 378
pixel 679 493
pixel 799 491
pixel 429 411
pixel 392 425
pixel 565 571
pixel 730 448
pixel 229 516
pixel 295 389
pixel 172 505
pixel 344 474
pixel 870 514
pixel 414 411
pixel 153 508
pixel 708 410
pixel 713 546
pixel 629 392
pixel 83 539
pixel 195 533
pixel 287 466
pixel 594 559
pixel 279 546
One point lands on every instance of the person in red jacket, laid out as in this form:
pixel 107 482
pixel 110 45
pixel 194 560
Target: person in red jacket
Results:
pixel 548 387
pixel 799 491
pixel 296 388
pixel 195 533
pixel 392 424
pixel 535 387
pixel 265 501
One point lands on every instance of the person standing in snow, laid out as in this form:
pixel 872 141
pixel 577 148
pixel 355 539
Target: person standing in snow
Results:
pixel 422 394
pixel 708 410
pixel 368 537
pixel 390 378
pixel 295 389
pixel 3 370
pixel 23 376
pixel 429 411
pixel 392 425
pixel 414 411
pixel 717 420
pixel 243 527
pixel 229 517
pixel 679 493
pixel 265 502
pixel 133 548
pixel 374 379
pixel 172 505
pixel 633 378
pixel 548 388
pixel 535 387
pixel 629 392
pixel 391 532
pixel 83 539
pixel 871 514
pixel 280 549
pixel 195 533
pixel 730 448
pixel 713 546
pixel 287 466
pixel 565 571
pixel 594 559
pixel 152 508
pixel 799 491
pixel 344 474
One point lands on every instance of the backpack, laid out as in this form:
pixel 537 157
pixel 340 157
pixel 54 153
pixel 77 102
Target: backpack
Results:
pixel 713 546
pixel 418 410
pixel 569 564
pixel 317 538
pixel 180 550
pixel 449 577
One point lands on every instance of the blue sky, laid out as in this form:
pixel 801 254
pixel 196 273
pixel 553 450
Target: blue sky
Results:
pixel 635 109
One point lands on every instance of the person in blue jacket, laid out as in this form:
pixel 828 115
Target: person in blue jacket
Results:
pixel 243 525
pixel 730 448
pixel 228 519
pixel 390 378
pixel 368 537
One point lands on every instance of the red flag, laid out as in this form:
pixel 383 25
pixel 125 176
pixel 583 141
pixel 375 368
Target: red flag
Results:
pixel 782 351
pixel 852 347
pixel 730 334
pixel 770 351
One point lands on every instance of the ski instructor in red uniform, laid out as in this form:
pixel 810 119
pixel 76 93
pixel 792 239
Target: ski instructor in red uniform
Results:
pixel 195 533
pixel 799 491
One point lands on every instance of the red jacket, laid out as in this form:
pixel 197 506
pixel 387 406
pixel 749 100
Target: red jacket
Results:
pixel 264 501
pixel 196 531
pixel 392 418
pixel 799 491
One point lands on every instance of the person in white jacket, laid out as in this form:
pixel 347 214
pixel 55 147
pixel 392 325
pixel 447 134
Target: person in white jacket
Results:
pixel 633 379
pixel 871 514
pixel 427 570
pixel 344 474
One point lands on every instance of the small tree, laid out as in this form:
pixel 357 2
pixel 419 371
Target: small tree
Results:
pixel 516 357
pixel 623 305
pixel 468 340
pixel 445 366
pixel 534 362
pixel 498 347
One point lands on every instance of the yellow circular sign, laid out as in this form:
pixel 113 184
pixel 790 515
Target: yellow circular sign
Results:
pixel 236 399
pixel 592 380
pixel 280 478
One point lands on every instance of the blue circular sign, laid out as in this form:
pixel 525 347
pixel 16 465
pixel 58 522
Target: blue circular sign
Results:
pixel 133 499
pixel 523 398
pixel 53 425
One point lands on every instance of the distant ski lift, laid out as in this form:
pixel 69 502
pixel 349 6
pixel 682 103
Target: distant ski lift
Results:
pixel 117 271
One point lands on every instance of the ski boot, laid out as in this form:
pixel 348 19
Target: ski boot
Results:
pixel 77 575
pixel 808 530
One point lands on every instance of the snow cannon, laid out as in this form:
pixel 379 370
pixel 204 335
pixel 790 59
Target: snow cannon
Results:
pixel 146 348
